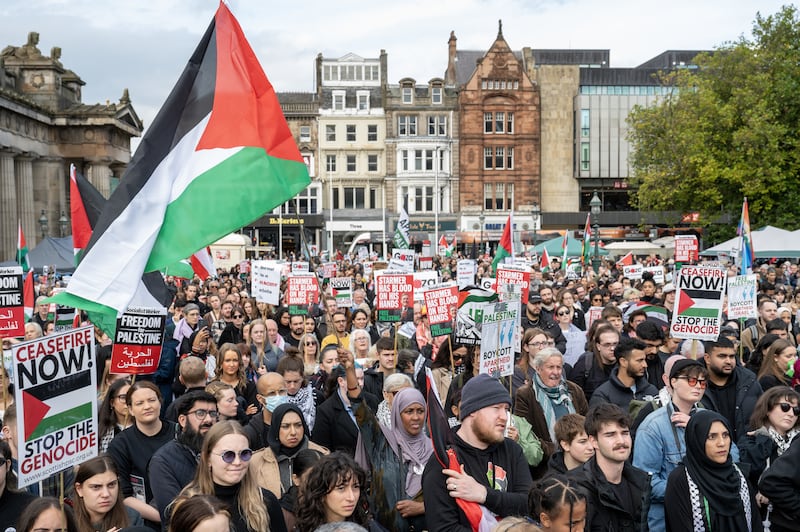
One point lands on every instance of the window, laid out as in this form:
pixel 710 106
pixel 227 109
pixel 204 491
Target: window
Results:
pixel 510 123
pixel 308 200
pixel 363 100
pixel 338 100
pixel 423 160
pixel 408 95
pixel 487 158
pixel 497 196
pixel 305 133
pixel 353 198
pixel 407 125
pixel 423 199
pixel 372 132
pixel 584 123
pixel 487 122
pixel 351 163
pixel 510 158
pixel 330 163
pixel 330 132
pixel 488 196
pixel 436 95
pixel 351 132
pixel 372 163
pixel 499 158
pixel 373 198
pixel 405 156
pixel 499 122
pixel 584 155
pixel 437 126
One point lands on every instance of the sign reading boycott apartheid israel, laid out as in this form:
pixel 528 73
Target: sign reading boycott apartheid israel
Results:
pixel 698 304
pixel 12 311
pixel 137 342
pixel 497 342
pixel 56 394
pixel 742 291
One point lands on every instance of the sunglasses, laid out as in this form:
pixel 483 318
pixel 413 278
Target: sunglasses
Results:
pixel 230 456
pixel 566 313
pixel 785 407
pixel 238 316
pixel 694 381
pixel 310 343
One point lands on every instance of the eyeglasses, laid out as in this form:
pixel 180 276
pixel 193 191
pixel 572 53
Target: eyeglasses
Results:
pixel 785 407
pixel 229 457
pixel 237 316
pixel 538 344
pixel 310 343
pixel 609 345
pixel 597 299
pixel 565 313
pixel 202 413
pixel 694 381
pixel 121 397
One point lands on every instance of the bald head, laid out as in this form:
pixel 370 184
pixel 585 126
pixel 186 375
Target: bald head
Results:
pixel 270 383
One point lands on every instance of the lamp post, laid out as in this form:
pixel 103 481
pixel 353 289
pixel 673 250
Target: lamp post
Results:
pixel 436 200
pixel 43 224
pixel 536 212
pixel 481 220
pixel 63 223
pixel 596 205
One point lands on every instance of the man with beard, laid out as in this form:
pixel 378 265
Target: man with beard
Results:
pixel 652 336
pixel 627 381
pixel 732 389
pixel 225 317
pixel 174 465
pixel 493 470
pixel 617 494
pixel 297 328
pixel 534 317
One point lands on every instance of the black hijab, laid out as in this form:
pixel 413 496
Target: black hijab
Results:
pixel 719 484
pixel 273 435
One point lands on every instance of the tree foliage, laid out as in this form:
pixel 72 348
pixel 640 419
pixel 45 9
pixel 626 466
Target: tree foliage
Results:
pixel 730 129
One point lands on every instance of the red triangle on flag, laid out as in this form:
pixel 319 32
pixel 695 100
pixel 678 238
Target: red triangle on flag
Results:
pixel 34 412
pixel 685 302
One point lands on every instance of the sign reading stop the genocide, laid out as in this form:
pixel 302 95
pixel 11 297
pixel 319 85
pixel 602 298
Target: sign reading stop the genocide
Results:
pixel 698 304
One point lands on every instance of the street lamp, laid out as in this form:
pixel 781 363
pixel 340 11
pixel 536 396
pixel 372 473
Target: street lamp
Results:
pixel 43 223
pixel 596 205
pixel 63 223
pixel 536 212
pixel 481 219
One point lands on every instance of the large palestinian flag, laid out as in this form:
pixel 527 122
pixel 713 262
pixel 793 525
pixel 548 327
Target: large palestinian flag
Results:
pixel 218 156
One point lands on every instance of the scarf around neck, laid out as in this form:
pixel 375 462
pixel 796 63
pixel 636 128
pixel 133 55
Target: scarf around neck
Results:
pixel 547 397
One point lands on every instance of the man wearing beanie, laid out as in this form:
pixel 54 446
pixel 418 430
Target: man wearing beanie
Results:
pixel 494 472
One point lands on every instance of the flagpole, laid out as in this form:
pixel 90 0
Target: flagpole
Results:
pixel 436 200
pixel 383 216
pixel 280 231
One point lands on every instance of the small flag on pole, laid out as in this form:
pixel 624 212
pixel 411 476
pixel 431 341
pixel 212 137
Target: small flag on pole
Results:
pixel 22 249
pixel 506 247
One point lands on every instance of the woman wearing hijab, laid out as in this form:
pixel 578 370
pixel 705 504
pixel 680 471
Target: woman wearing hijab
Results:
pixel 287 436
pixel 708 492
pixel 396 458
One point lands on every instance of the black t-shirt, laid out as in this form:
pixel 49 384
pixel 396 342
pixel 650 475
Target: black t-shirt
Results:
pixel 725 399
pixel 622 492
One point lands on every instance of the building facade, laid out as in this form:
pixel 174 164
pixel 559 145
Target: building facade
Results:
pixel 45 127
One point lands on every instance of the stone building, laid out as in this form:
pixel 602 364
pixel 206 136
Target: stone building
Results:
pixel 45 127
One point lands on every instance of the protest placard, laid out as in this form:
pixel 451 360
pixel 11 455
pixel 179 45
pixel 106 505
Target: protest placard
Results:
pixel 633 271
pixel 12 305
pixel 465 273
pixel 393 295
pixel 441 303
pixel 56 396
pixel 513 283
pixel 265 284
pixel 424 281
pixel 497 343
pixel 698 303
pixel 657 272
pixel 402 260
pixel 302 290
pixel 342 290
pixel 138 340
pixel 299 267
pixel 687 248
pixel 328 270
pixel 472 304
pixel 742 291
pixel 426 263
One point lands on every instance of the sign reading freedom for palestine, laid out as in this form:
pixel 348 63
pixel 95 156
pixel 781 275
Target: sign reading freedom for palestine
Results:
pixel 698 304
pixel 137 342
pixel 56 390
pixel 12 312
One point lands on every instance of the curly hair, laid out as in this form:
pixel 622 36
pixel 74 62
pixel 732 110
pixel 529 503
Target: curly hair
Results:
pixel 330 472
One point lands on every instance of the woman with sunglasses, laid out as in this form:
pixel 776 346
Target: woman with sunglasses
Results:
pixel 113 416
pixel 774 425
pixel 97 503
pixel 533 341
pixel 566 297
pixel 449 362
pixel 233 333
pixel 309 347
pixel 132 448
pixel 223 471
pixel 777 367
pixel 576 338
pixel 230 370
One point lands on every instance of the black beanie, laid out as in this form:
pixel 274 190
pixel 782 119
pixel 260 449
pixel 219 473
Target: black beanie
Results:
pixel 482 391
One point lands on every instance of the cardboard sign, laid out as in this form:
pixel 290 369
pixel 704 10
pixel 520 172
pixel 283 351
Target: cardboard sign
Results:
pixel 687 249
pixel 342 290
pixel 426 263
pixel 658 273
pixel 265 283
pixel 299 267
pixel 742 291
pixel 302 290
pixel 441 303
pixel 698 303
pixel 594 313
pixel 393 294
pixel 633 272
pixel 465 273
pixel 472 304
pixel 328 270
pixel 513 283
pixel 424 281
pixel 402 260
pixel 497 344
pixel 56 397
pixel 138 340
pixel 12 304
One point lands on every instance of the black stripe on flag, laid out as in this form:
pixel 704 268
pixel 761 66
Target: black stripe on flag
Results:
pixel 702 294
pixel 65 385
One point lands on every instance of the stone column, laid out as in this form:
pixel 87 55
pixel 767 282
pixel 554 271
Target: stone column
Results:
pixel 50 184
pixel 23 167
pixel 8 213
pixel 99 174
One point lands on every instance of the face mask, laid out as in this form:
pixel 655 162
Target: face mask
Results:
pixel 274 401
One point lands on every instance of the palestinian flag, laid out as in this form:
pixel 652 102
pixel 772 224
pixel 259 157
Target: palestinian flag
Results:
pixel 22 249
pixel 655 313
pixel 587 241
pixel 544 262
pixel 86 206
pixel 181 269
pixel 506 247
pixel 626 260
pixel 442 246
pixel 564 246
pixel 203 264
pixel 452 248
pixel 50 408
pixel 218 156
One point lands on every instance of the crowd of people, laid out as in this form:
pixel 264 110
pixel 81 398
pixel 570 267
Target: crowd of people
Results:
pixel 261 419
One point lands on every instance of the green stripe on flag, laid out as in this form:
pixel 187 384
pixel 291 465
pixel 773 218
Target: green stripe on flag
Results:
pixel 268 182
pixel 62 420
pixel 695 312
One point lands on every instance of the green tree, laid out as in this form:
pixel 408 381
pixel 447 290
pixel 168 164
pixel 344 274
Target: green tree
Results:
pixel 730 129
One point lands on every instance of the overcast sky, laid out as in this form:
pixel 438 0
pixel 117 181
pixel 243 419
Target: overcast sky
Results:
pixel 144 44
